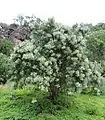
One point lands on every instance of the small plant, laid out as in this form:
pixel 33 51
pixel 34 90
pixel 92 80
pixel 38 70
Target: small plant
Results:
pixel 91 110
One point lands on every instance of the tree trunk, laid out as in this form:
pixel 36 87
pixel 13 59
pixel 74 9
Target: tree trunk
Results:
pixel 54 91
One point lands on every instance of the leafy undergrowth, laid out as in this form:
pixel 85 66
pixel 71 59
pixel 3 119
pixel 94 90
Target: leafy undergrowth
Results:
pixel 76 107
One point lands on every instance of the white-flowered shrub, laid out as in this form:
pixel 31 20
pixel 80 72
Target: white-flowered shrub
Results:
pixel 54 59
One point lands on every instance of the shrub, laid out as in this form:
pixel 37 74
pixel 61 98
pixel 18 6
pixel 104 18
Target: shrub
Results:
pixel 54 59
pixel 5 67
pixel 6 46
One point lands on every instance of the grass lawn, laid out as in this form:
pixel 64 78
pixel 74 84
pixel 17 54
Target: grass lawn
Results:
pixel 76 107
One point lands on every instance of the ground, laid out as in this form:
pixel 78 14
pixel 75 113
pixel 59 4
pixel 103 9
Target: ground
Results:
pixel 19 106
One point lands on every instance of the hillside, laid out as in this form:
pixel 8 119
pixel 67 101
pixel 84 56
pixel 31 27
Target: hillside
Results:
pixel 76 107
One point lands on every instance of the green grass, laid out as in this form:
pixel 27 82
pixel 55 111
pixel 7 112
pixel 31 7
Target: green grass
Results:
pixel 76 107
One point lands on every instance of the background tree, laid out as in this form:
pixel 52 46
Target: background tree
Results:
pixel 96 45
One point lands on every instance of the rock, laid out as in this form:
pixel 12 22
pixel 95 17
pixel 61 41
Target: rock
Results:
pixel 16 41
pixel 14 32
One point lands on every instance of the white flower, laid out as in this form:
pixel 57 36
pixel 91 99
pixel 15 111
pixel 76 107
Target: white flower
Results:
pixel 34 101
pixel 77 73
pixel 46 63
pixel 42 59
pixel 86 60
pixel 78 84
pixel 28 56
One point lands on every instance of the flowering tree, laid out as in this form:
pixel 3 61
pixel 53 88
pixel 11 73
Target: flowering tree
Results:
pixel 54 59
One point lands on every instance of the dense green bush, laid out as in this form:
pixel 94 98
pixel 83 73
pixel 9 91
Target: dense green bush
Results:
pixel 5 68
pixel 96 45
pixel 55 59
pixel 6 46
